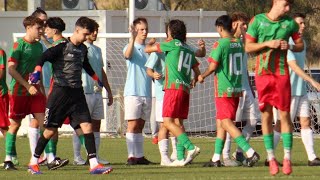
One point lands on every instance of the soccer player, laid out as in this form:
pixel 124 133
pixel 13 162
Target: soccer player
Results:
pixel 299 98
pixel 67 98
pixel 179 61
pixel 4 98
pixel 248 107
pixel 267 37
pixel 137 91
pixel 93 93
pixel 24 98
pixel 226 61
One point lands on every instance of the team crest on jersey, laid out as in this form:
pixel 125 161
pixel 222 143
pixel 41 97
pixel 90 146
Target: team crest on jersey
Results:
pixel 284 25
pixel 215 45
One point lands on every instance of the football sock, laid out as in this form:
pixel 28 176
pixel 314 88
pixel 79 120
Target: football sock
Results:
pixel 287 145
pixel 33 135
pixel 42 142
pixel 91 149
pixel 76 145
pixel 138 141
pixel 307 139
pixel 180 151
pixel 130 144
pixel 174 144
pixel 163 148
pixel 244 145
pixel 218 146
pixel 185 141
pixel 49 150
pixel 268 143
pixel 226 147
pixel 97 142
pixel 10 145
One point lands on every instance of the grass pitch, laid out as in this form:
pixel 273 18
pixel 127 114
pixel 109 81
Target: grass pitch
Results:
pixel 114 150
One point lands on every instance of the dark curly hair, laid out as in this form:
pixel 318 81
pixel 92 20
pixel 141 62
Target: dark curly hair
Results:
pixel 86 23
pixel 178 30
pixel 56 23
pixel 225 22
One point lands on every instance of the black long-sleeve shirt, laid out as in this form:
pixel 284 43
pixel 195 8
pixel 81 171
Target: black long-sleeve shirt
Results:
pixel 67 62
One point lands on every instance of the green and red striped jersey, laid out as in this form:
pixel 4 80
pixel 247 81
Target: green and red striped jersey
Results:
pixel 25 55
pixel 227 53
pixel 179 62
pixel 3 62
pixel 261 29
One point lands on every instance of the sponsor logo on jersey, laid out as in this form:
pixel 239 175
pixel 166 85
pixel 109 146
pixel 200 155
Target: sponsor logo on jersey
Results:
pixel 265 24
pixel 178 81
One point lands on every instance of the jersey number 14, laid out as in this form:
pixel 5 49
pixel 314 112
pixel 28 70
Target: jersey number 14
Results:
pixel 185 61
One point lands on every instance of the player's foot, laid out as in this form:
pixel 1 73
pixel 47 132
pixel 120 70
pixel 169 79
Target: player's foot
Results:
pixel 132 161
pixel 273 167
pixel 315 162
pixel 191 154
pixel 8 165
pixel 173 155
pixel 230 162
pixel 14 160
pixel 213 164
pixel 238 156
pixel 143 161
pixel 79 161
pixel 100 169
pixel 155 140
pixel 177 163
pixel 103 162
pixel 287 167
pixel 34 169
pixel 266 163
pixel 57 163
pixel 165 161
pixel 250 161
pixel 42 161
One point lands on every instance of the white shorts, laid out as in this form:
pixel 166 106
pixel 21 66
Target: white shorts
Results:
pixel 95 105
pixel 159 106
pixel 299 107
pixel 136 107
pixel 248 108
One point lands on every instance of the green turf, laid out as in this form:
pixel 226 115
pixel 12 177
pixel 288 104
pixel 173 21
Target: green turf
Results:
pixel 114 150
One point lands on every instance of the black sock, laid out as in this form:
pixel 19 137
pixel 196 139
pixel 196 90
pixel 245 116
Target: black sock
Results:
pixel 42 142
pixel 90 145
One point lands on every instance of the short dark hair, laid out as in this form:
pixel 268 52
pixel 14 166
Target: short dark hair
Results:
pixel 225 22
pixel 38 11
pixel 139 20
pixel 239 16
pixel 85 23
pixel 95 24
pixel 295 15
pixel 178 30
pixel 31 21
pixel 56 23
pixel 290 1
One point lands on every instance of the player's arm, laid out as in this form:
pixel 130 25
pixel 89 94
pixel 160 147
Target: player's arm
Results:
pixel 251 46
pixel 298 45
pixel 106 85
pixel 152 48
pixel 153 74
pixel 45 41
pixel 129 51
pixel 197 73
pixel 211 68
pixel 201 51
pixel 3 58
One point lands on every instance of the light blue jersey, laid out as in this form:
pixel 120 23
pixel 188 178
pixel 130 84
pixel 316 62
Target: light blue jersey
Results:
pixel 96 62
pixel 244 77
pixel 298 85
pixel 156 62
pixel 138 83
pixel 46 68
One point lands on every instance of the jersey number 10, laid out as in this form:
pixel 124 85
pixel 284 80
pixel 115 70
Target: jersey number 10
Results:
pixel 185 61
pixel 233 68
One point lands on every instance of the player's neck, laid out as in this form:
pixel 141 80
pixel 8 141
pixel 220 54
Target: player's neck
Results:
pixel 57 37
pixel 74 40
pixel 140 41
pixel 225 34
pixel 89 41
pixel 273 15
pixel 29 39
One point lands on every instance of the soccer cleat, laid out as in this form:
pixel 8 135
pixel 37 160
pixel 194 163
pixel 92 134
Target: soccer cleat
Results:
pixel 287 167
pixel 315 162
pixel 34 169
pixel 57 163
pixel 213 164
pixel 252 160
pixel 238 156
pixel 165 161
pixel 143 161
pixel 230 162
pixel 132 161
pixel 266 163
pixel 173 155
pixel 177 163
pixel 42 161
pixel 191 154
pixel 100 169
pixel 103 162
pixel 79 161
pixel 155 140
pixel 8 165
pixel 273 167
pixel 15 161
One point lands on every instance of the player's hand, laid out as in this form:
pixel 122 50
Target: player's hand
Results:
pixel 34 78
pixel 193 83
pixel 110 99
pixel 200 79
pixel 315 84
pixel 152 41
pixel 157 76
pixel 284 45
pixel 201 43
pixel 274 44
pixel 133 31
pixel 32 90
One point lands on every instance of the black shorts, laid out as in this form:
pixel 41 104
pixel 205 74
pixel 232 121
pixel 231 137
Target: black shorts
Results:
pixel 66 102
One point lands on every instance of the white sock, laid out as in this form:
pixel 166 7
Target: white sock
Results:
pixel 307 139
pixel 139 145
pixel 130 144
pixel 174 144
pixel 8 158
pixel 276 139
pixel 163 148
pixel 215 158
pixel 93 162
pixel 33 135
pixel 76 146
pixel 250 152
pixel 287 154
pixel 50 157
pixel 97 142
pixel 33 160
pixel 270 154
pixel 227 145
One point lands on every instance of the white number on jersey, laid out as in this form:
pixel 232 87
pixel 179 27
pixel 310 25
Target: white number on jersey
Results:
pixel 185 61
pixel 233 69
